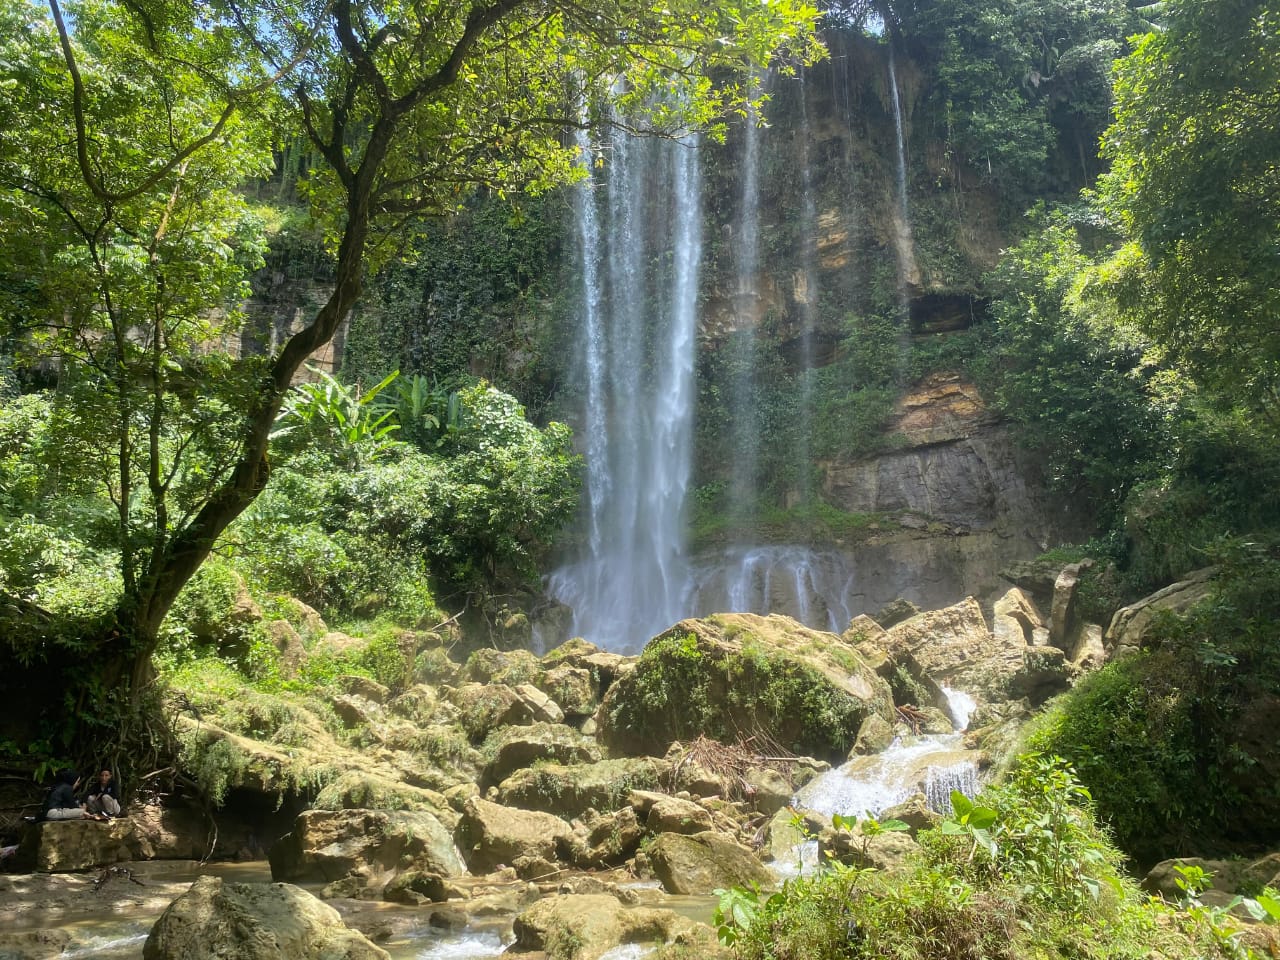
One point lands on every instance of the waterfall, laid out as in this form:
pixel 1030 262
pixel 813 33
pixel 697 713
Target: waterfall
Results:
pixel 640 243
pixel 906 253
pixel 807 295
pixel 746 425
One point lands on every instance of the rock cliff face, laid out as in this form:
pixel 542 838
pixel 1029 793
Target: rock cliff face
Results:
pixel 954 502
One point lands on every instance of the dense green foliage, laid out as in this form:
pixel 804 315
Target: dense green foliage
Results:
pixel 1037 878
pixel 1174 741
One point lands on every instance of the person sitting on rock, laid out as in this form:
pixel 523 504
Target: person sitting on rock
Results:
pixel 61 804
pixel 102 796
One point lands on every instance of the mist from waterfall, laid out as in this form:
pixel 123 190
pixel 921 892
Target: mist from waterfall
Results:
pixel 639 233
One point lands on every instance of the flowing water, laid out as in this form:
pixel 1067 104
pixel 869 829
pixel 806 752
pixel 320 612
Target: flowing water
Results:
pixel 934 765
pixel 639 226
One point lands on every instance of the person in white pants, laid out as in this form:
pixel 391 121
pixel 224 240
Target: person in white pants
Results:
pixel 102 796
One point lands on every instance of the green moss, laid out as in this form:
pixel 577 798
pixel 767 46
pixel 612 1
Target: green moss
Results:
pixel 681 689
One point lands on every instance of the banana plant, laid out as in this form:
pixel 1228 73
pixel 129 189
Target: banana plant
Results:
pixel 362 426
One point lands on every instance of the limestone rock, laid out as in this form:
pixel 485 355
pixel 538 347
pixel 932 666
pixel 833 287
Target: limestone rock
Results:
pixel 517 747
pixel 415 887
pixel 732 674
pixel 569 790
pixel 288 646
pixel 254 921
pixel 365 687
pixel 573 688
pixel 357 790
pixel 887 852
pixel 914 812
pixel 511 667
pixel 874 735
pixel 356 711
pixel 954 646
pixel 65 846
pixel 610 839
pixel 483 707
pixel 1062 615
pixel 704 862
pixel 595 923
pixel 1015 618
pixel 34 944
pixel 541 707
pixel 894 612
pixel 767 789
pixel 1130 625
pixel 862 629
pixel 673 815
pixel 328 845
pixel 490 835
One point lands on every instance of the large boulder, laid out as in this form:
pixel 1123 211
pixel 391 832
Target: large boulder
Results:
pixel 1130 625
pixel 517 747
pixel 483 707
pixel 573 789
pixel 704 862
pixel 587 926
pixel 732 676
pixel 65 846
pixel 373 845
pixel 491 835
pixel 254 921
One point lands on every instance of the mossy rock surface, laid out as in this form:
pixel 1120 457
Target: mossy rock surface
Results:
pixel 569 790
pixel 737 676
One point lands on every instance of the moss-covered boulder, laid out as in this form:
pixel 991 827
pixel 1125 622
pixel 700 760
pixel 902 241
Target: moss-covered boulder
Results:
pixel 570 790
pixel 490 835
pixel 516 747
pixel 734 676
pixel 705 862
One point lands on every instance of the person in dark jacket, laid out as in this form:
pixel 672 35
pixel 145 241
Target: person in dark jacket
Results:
pixel 102 796
pixel 61 803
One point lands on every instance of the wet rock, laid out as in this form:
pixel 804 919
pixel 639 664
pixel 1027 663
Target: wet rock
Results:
pixel 722 675
pixel 704 862
pixel 1063 612
pixel 34 944
pixel 490 835
pixel 586 927
pixel 254 921
pixel 953 647
pixel 570 790
pixel 64 846
pixel 874 735
pixel 518 747
pixel 330 845
pixel 417 886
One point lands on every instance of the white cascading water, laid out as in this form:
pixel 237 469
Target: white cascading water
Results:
pixel 905 243
pixel 641 247
pixel 932 764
